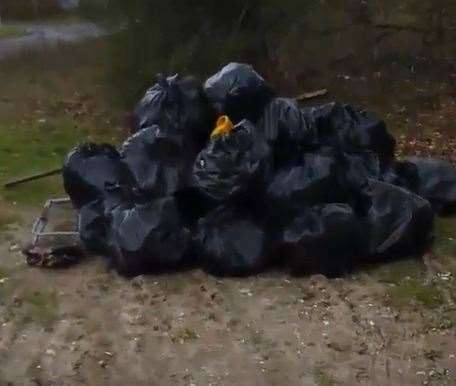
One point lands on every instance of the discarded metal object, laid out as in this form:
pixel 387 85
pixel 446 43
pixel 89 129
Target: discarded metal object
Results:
pixel 40 224
pixel 54 247
pixel 53 257
pixel 32 177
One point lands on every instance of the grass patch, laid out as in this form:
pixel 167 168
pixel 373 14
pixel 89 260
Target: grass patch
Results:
pixel 445 242
pixel 40 307
pixel 7 217
pixel 184 335
pixel 51 102
pixel 4 272
pixel 32 147
pixel 7 31
pixel 394 272
pixel 24 305
pixel 413 289
pixel 322 378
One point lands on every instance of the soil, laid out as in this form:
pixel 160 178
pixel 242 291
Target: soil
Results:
pixel 87 325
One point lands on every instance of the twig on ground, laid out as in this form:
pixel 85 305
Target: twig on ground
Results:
pixel 37 176
pixel 312 94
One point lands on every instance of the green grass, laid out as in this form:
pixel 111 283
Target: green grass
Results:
pixel 40 306
pixel 11 32
pixel 184 335
pixel 48 105
pixel 429 295
pixel 32 147
pixel 322 378
pixel 7 217
pixel 394 272
pixel 445 242
pixel 4 272
pixel 37 307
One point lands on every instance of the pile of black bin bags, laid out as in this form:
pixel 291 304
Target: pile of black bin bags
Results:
pixel 315 189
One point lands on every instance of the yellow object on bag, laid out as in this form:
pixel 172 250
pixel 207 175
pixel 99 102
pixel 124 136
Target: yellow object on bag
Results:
pixel 222 126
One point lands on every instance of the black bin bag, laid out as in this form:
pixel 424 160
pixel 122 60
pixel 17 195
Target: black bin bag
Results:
pixel 283 121
pixel 149 238
pixel 158 161
pixel 97 182
pixel 95 227
pixel 352 129
pixel 397 222
pixel 355 170
pixel 178 104
pixel 403 174
pixel 233 164
pixel 287 129
pixel 95 172
pixel 230 242
pixel 322 238
pixel 238 91
pixel 436 183
pixel 312 179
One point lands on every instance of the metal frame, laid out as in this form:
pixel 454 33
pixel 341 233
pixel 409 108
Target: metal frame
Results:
pixel 38 229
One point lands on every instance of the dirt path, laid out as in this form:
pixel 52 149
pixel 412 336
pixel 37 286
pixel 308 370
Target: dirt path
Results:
pixel 42 35
pixel 86 325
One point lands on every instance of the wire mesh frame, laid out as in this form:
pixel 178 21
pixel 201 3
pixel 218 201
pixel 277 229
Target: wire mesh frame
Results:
pixel 39 226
